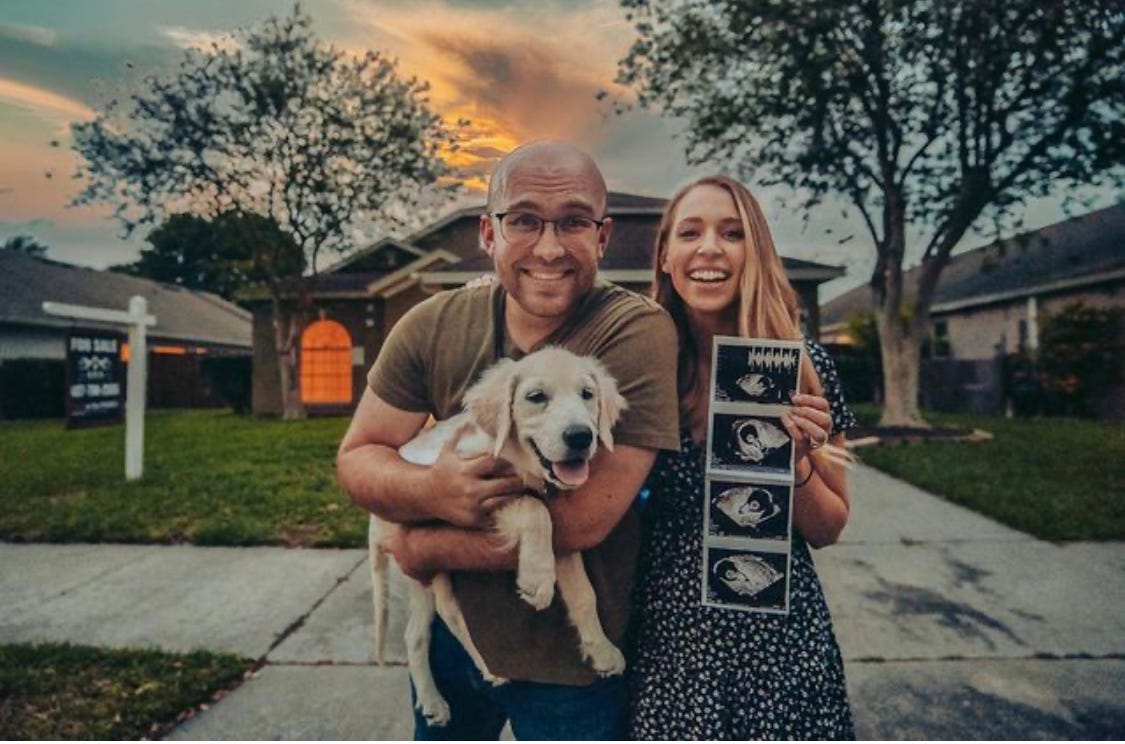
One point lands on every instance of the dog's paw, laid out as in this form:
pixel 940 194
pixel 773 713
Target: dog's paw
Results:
pixel 605 658
pixel 537 586
pixel 435 710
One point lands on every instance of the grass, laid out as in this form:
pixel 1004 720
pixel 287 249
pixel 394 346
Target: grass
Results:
pixel 211 478
pixel 1058 479
pixel 60 691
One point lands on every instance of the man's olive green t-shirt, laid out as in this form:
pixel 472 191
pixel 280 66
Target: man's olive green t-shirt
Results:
pixel 439 349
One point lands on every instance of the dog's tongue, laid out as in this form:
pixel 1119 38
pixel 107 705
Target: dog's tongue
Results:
pixel 573 473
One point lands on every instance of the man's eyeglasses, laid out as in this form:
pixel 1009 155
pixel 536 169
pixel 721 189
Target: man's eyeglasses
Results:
pixel 524 228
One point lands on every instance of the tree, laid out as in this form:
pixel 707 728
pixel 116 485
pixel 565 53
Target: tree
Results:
pixel 923 116
pixel 26 245
pixel 278 125
pixel 222 255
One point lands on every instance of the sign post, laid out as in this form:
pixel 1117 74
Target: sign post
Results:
pixel 136 319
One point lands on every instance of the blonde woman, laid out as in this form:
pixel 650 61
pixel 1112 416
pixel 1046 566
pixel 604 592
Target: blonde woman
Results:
pixel 709 673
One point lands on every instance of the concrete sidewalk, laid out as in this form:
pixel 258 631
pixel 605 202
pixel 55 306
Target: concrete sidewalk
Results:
pixel 953 626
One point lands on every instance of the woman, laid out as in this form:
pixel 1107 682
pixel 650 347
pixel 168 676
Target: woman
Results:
pixel 709 673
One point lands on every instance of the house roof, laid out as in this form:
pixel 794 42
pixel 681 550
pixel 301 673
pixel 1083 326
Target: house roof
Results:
pixel 181 314
pixel 455 237
pixel 625 269
pixel 618 205
pixel 1072 253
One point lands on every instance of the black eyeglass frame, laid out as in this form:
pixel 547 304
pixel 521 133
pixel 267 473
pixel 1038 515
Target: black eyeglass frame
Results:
pixel 542 221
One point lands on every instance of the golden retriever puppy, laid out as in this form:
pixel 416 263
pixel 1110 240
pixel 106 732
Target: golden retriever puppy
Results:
pixel 545 415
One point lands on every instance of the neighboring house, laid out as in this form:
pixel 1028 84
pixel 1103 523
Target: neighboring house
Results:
pixel 189 325
pixel 992 300
pixel 359 299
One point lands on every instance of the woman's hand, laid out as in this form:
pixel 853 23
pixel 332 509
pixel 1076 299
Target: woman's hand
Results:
pixel 809 424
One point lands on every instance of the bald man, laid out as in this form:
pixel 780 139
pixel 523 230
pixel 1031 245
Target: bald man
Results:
pixel 545 229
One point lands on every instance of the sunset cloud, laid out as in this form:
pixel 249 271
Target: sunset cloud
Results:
pixel 43 102
pixel 515 76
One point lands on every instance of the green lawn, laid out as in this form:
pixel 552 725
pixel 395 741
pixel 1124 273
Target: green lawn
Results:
pixel 58 691
pixel 1058 479
pixel 211 478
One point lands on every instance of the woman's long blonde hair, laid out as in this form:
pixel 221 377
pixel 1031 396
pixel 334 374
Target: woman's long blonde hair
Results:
pixel 768 304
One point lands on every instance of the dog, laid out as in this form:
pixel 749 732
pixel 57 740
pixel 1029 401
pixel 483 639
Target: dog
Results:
pixel 544 414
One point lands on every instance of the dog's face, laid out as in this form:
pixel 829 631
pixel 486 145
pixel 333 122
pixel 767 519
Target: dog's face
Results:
pixel 546 413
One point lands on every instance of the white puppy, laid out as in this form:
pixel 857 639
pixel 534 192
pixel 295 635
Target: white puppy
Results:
pixel 544 414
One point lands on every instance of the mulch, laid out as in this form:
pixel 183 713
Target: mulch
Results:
pixel 866 436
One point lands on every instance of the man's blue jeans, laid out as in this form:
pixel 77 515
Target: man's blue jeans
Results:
pixel 536 710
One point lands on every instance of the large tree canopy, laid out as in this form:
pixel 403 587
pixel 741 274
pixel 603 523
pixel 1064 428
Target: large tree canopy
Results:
pixel 921 114
pixel 275 124
pixel 221 255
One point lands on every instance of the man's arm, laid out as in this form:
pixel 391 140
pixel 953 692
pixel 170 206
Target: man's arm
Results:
pixel 368 466
pixel 582 519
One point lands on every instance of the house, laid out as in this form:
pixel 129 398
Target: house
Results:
pixel 991 301
pixel 190 327
pixel 359 299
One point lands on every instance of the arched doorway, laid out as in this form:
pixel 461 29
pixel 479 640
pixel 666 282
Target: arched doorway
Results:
pixel 326 364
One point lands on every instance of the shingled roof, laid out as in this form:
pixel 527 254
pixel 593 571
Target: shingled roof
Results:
pixel 181 314
pixel 628 259
pixel 1071 253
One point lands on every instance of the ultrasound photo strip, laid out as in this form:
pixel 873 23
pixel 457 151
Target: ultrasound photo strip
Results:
pixel 748 510
pixel 745 579
pixel 748 499
pixel 757 371
pixel 750 441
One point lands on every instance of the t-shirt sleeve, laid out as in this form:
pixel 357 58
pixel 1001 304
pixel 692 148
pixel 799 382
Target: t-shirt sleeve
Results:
pixel 400 373
pixel 842 416
pixel 642 358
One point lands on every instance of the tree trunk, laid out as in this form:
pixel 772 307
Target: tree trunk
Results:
pixel 901 344
pixel 287 335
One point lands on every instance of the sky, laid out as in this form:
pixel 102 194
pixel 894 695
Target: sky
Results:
pixel 519 70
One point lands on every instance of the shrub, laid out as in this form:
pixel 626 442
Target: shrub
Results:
pixel 230 377
pixel 32 388
pixel 1080 354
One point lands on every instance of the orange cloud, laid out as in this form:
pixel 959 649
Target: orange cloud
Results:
pixel 49 105
pixel 515 77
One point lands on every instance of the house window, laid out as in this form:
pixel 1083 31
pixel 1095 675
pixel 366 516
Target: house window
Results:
pixel 1023 334
pixel 941 338
pixel 326 364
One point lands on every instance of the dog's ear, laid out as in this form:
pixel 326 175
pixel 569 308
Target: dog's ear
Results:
pixel 610 402
pixel 489 401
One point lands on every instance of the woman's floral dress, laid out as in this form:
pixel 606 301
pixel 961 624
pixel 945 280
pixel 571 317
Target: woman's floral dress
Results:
pixel 707 673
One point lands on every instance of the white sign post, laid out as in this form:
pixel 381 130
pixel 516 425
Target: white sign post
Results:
pixel 136 319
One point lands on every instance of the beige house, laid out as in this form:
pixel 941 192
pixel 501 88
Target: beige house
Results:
pixel 992 300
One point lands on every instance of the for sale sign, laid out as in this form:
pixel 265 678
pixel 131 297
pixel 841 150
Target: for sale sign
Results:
pixel 95 390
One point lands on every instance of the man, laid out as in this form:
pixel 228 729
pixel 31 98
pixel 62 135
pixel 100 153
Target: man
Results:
pixel 545 230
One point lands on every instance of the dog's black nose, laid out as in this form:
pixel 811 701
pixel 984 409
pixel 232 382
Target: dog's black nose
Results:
pixel 578 437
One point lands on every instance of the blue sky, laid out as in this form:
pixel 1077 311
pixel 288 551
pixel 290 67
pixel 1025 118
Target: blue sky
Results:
pixel 61 60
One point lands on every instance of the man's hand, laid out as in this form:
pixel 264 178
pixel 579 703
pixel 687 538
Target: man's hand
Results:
pixel 412 562
pixel 469 490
